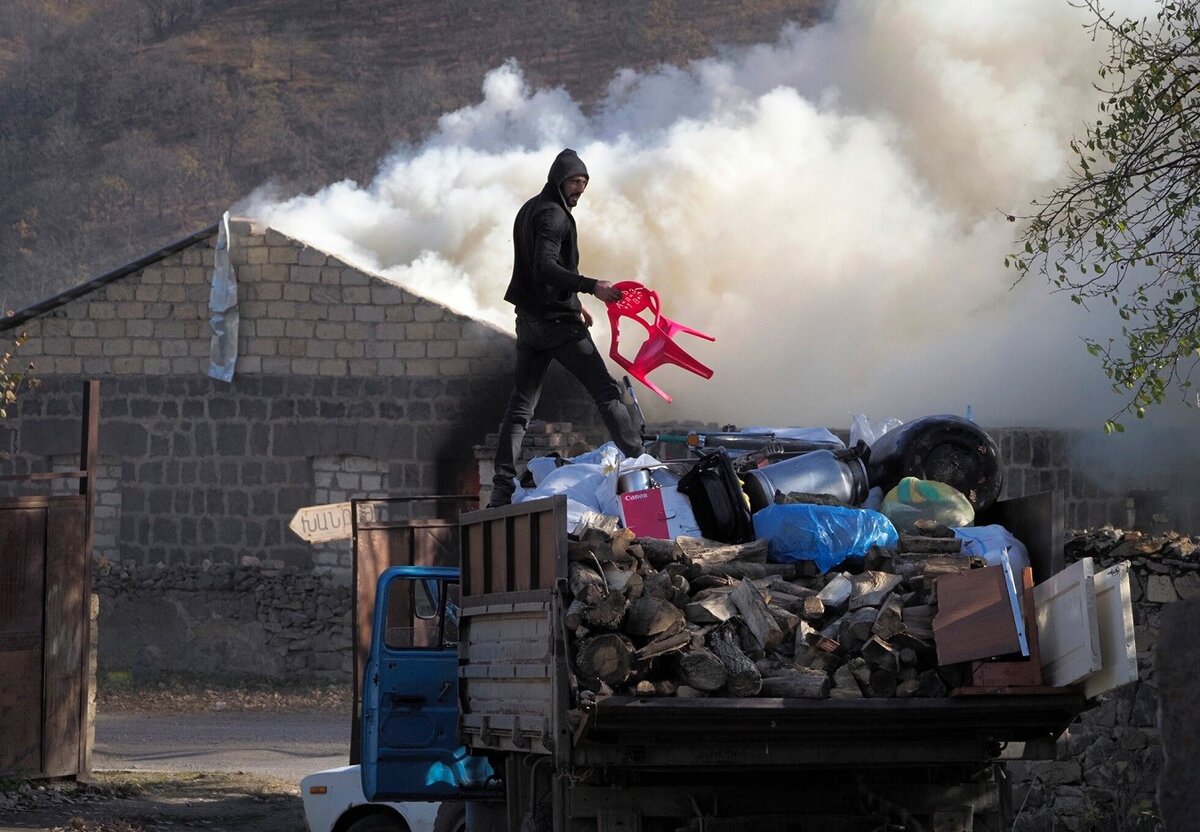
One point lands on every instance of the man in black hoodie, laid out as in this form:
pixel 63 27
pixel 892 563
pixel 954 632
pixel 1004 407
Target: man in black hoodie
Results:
pixel 551 323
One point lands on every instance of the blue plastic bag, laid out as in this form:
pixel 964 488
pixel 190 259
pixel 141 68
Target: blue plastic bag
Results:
pixel 824 534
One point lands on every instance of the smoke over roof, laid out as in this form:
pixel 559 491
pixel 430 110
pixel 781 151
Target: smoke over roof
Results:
pixel 831 207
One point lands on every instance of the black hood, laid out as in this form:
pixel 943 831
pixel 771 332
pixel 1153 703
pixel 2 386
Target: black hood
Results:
pixel 566 164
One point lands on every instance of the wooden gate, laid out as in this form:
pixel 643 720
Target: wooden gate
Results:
pixel 45 622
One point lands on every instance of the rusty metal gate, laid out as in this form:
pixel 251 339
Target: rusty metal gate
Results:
pixel 394 531
pixel 45 621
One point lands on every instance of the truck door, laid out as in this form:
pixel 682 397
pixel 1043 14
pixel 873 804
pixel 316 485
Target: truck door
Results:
pixel 410 692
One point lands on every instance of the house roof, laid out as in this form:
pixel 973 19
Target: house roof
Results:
pixel 51 303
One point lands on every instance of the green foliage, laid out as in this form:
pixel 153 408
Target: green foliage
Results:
pixel 1125 228
pixel 12 381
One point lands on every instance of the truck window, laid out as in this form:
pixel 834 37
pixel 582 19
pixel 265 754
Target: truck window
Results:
pixel 418 616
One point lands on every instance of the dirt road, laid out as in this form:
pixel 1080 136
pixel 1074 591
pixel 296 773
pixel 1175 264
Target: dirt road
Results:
pixel 169 760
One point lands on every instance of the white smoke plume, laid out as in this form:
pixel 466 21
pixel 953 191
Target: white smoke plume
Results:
pixel 830 207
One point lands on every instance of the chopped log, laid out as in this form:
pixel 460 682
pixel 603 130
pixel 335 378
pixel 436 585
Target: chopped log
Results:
pixel 836 593
pixel 755 615
pixel 879 559
pixel 908 656
pixel 605 614
pixel 650 616
pixel 604 658
pixel 870 588
pixel 777 583
pixel 637 553
pixel 618 577
pixel 882 683
pixel 688 692
pixel 930 684
pixel 907 674
pixel 804 631
pixel 635 586
pixel 700 669
pixel 814 608
pixel 621 541
pixel 702 582
pixel 879 654
pixel 786 620
pixel 746 569
pixel 712 606
pixel 774 664
pixel 845 686
pixel 667 643
pixel 698 551
pixel 915 544
pixel 890 619
pixel 932 528
pixel 644 688
pixel 856 627
pixel 665 687
pixel 585 583
pixel 802 683
pixel 781 599
pixel 814 657
pixel 657 552
pixel 573 617
pixel 918 621
pixel 744 679
pixel 861 670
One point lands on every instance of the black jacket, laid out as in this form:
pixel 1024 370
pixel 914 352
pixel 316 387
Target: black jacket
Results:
pixel 545 279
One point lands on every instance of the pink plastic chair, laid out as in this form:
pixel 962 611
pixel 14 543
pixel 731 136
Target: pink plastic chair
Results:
pixel 659 347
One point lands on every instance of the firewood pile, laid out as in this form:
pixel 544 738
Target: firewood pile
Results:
pixel 692 618
pixel 1151 552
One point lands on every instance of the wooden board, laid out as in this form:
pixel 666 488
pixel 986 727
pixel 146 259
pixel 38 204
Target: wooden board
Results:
pixel 975 616
pixel 1114 614
pixel 1068 628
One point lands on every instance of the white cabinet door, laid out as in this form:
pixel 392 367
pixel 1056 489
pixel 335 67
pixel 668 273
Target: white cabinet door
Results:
pixel 1114 612
pixel 1068 628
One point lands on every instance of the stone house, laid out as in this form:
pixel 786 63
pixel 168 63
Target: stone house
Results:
pixel 345 385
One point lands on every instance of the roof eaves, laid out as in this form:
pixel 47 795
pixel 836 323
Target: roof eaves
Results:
pixel 62 298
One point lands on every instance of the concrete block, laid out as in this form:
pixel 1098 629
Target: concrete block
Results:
pixel 400 314
pixel 282 254
pixel 304 274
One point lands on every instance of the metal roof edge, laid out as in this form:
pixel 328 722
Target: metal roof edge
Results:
pixel 75 292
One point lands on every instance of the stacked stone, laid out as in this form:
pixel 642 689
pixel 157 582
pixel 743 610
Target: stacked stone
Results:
pixel 1109 761
pixel 541 439
pixel 277 620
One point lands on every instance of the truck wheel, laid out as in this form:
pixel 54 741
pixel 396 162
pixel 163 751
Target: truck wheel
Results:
pixel 451 817
pixel 377 822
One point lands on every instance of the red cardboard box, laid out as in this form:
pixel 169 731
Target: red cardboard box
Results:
pixel 658 512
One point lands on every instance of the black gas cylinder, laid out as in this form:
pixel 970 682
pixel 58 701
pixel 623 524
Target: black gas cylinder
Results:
pixel 945 448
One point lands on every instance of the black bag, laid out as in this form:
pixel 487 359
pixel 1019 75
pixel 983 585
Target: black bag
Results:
pixel 717 499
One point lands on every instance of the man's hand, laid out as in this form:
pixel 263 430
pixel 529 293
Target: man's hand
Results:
pixel 587 317
pixel 605 292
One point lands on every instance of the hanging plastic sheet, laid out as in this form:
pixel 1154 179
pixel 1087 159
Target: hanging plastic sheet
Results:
pixel 222 304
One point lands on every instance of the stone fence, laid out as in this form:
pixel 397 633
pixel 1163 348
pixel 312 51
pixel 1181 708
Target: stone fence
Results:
pixel 1108 763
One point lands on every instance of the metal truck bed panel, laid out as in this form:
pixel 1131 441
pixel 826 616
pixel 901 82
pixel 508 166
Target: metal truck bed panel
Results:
pixel 505 671
pixel 647 732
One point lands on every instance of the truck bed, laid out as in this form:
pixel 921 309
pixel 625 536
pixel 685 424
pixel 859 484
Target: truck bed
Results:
pixel 516 687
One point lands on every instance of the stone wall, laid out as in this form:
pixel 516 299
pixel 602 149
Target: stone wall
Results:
pixel 1108 763
pixel 222 621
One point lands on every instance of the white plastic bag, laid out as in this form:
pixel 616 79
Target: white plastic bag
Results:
pixel 988 542
pixel 861 427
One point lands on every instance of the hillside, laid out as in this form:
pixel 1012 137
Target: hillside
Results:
pixel 131 123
